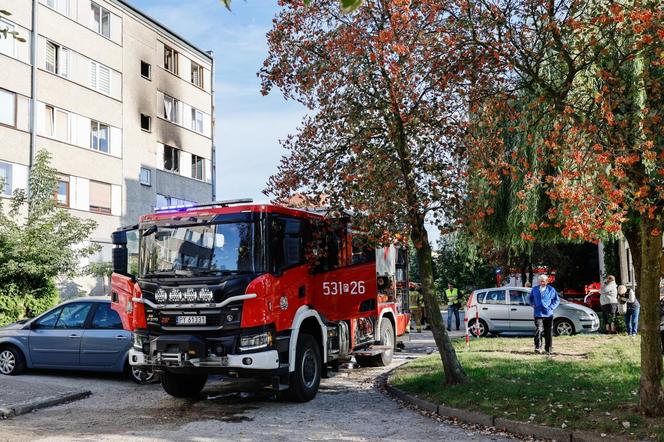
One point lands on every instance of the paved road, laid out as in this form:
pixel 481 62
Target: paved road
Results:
pixel 348 407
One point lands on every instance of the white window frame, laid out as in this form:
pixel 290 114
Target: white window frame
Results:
pixel 10 27
pixel 149 120
pixel 60 64
pixel 174 68
pixel 197 124
pixel 92 138
pixel 200 73
pixel 174 110
pixel 7 189
pixel 60 6
pixel 99 27
pixel 194 159
pixel 54 123
pixel 148 173
pixel 96 70
pixel 177 152
pixel 149 76
pixel 12 96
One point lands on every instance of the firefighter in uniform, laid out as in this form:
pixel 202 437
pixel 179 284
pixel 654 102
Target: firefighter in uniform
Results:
pixel 416 304
pixel 453 305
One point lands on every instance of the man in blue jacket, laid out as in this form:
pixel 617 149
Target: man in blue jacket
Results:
pixel 544 299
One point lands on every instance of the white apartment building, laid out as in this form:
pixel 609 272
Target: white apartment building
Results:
pixel 124 106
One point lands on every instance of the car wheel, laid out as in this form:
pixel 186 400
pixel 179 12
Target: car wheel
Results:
pixel 183 385
pixel 478 328
pixel 12 361
pixel 563 327
pixel 140 375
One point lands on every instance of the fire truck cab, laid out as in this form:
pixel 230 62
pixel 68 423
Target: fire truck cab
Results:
pixel 257 291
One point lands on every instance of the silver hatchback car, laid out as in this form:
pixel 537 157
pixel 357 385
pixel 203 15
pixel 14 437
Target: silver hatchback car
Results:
pixel 506 310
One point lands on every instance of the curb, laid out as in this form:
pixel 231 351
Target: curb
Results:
pixel 510 426
pixel 42 402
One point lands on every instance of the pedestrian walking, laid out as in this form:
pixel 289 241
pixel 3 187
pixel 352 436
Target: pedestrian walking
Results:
pixel 453 305
pixel 608 299
pixel 627 297
pixel 544 299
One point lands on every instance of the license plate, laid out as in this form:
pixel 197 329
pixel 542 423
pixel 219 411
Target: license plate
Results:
pixel 190 320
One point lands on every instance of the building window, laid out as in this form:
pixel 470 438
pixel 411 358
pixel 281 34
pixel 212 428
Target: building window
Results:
pixel 146 122
pixel 100 20
pixel 171 109
pixel 146 70
pixel 7 41
pixel 196 120
pixel 62 192
pixel 197 74
pixel 145 177
pixel 57 123
pixel 100 197
pixel 171 60
pixel 171 159
pixel 57 59
pixel 99 136
pixel 7 107
pixel 5 179
pixel 197 167
pixel 62 6
pixel 100 78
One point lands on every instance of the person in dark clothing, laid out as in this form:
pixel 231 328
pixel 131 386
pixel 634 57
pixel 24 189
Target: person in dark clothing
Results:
pixel 544 299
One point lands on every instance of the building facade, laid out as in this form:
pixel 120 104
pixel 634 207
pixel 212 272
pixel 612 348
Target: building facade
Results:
pixel 124 106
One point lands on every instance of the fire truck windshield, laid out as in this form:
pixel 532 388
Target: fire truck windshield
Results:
pixel 202 249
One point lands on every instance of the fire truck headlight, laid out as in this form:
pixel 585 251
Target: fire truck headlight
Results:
pixel 253 342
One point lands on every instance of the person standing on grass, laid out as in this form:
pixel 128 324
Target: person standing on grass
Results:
pixel 633 307
pixel 453 305
pixel 608 298
pixel 544 299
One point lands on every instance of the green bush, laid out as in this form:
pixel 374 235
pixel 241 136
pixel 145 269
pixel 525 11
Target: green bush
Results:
pixel 15 305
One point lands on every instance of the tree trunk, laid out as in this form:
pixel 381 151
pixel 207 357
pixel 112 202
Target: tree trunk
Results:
pixel 454 373
pixel 651 396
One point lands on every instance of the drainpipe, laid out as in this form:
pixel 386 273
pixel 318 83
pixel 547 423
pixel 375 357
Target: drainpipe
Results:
pixel 33 89
pixel 212 124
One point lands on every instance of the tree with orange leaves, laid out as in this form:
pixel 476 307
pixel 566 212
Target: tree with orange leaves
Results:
pixel 575 132
pixel 385 86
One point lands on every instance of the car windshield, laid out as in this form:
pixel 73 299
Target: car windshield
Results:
pixel 202 249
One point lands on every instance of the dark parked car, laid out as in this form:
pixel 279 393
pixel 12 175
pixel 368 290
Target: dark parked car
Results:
pixel 82 334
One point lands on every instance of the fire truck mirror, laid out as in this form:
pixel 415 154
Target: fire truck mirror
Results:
pixel 120 260
pixel 119 238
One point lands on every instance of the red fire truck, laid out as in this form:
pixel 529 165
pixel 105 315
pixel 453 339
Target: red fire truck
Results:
pixel 258 291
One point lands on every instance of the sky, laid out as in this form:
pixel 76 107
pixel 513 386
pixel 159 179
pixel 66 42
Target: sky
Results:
pixel 248 125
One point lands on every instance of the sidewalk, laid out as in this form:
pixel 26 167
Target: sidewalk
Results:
pixel 20 396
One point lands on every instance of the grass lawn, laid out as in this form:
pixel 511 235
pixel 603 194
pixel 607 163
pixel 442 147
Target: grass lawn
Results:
pixel 590 383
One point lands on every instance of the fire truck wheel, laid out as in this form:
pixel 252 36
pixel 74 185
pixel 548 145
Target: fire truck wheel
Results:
pixel 387 339
pixel 305 379
pixel 183 385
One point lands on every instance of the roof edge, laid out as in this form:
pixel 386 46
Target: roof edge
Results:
pixel 125 3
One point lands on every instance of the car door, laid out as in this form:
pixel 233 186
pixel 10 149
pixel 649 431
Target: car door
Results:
pixel 521 313
pixel 494 308
pixel 55 339
pixel 104 342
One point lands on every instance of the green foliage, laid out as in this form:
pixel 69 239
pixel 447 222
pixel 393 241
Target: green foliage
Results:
pixel 39 241
pixel 100 269
pixel 460 261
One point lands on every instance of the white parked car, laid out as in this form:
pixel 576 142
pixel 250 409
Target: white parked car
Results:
pixel 506 309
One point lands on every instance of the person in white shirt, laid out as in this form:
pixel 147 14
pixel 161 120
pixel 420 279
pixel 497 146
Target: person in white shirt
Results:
pixel 608 298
